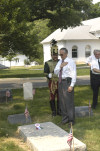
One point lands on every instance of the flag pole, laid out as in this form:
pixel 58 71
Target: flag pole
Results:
pixel 6 99
pixel 72 135
pixel 70 147
pixel 89 109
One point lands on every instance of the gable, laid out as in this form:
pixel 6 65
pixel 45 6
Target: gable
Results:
pixel 88 30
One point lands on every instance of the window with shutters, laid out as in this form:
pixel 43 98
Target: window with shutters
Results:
pixel 87 51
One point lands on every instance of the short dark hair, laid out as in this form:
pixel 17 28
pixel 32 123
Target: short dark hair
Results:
pixel 65 50
pixel 96 50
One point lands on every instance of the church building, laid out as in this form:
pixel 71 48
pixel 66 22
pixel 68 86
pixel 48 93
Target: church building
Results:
pixel 80 40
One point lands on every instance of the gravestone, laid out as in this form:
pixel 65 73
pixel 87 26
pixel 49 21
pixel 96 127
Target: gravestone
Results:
pixel 49 138
pixel 5 95
pixel 19 119
pixel 83 111
pixel 28 91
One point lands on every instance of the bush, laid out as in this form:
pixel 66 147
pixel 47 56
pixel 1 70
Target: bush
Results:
pixel 27 62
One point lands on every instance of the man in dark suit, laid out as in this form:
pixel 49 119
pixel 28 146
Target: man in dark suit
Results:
pixel 95 67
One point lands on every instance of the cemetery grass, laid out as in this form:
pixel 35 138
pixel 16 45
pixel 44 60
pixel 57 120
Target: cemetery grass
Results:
pixel 21 72
pixel 36 71
pixel 85 129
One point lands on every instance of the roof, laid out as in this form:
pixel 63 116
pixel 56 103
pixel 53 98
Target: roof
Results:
pixel 94 23
pixel 81 32
pixel 91 21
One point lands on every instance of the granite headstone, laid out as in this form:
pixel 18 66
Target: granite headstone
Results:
pixel 83 111
pixel 19 119
pixel 5 95
pixel 28 91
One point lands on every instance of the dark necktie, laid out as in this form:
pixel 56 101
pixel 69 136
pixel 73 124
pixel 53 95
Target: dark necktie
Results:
pixel 99 63
pixel 60 74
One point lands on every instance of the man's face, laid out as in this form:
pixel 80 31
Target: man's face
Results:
pixel 63 54
pixel 55 57
pixel 97 55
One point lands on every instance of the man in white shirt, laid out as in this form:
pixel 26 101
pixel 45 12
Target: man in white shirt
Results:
pixel 95 67
pixel 90 58
pixel 89 62
pixel 66 86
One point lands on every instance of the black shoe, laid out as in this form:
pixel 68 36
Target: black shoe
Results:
pixel 64 122
pixel 53 113
pixel 71 122
pixel 53 108
pixel 59 113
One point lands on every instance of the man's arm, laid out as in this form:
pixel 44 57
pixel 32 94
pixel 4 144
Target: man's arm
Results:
pixel 89 60
pixel 96 70
pixel 73 70
pixel 46 69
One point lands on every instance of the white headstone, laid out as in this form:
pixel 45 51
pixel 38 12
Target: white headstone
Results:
pixel 28 91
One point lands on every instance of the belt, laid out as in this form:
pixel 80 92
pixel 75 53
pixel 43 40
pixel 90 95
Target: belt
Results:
pixel 67 79
pixel 96 75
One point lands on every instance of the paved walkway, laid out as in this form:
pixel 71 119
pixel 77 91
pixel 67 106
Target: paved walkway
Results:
pixel 38 82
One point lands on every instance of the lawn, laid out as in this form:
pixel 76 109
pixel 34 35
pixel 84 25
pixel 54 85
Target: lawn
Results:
pixel 36 71
pixel 21 72
pixel 85 129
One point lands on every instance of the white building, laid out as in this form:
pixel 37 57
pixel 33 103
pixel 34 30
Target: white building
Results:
pixel 80 41
pixel 17 61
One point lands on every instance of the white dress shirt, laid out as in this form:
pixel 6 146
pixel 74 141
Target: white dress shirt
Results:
pixel 90 59
pixel 95 64
pixel 68 71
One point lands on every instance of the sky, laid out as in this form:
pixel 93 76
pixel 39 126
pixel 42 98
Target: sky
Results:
pixel 96 1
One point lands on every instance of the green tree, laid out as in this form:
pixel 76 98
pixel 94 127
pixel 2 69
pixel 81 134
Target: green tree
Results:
pixel 94 11
pixel 10 56
pixel 42 31
pixel 61 13
pixel 16 30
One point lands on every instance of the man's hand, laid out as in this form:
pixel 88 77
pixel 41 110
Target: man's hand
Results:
pixel 63 64
pixel 50 75
pixel 70 88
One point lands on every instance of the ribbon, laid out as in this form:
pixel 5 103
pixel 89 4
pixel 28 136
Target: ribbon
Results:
pixel 37 125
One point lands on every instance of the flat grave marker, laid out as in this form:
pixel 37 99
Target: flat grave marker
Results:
pixel 83 111
pixel 19 119
pixel 49 138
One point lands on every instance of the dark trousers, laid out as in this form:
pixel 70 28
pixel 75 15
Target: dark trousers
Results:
pixel 95 87
pixel 91 78
pixel 66 100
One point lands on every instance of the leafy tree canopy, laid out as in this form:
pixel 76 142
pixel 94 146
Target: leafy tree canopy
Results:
pixel 18 19
pixel 61 13
pixel 94 11
pixel 15 32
